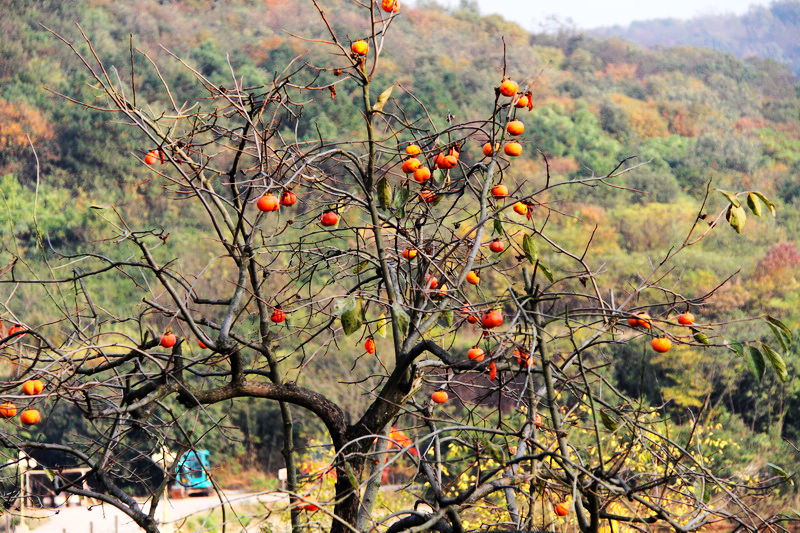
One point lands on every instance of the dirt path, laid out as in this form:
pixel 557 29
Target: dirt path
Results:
pixel 108 519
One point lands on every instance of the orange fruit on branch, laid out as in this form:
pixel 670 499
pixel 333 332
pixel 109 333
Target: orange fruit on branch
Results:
pixel 500 191
pixel 497 246
pixel 8 410
pixel 561 509
pixel 537 420
pixel 521 208
pixel 515 127
pixel 492 319
pixel 30 417
pixel 329 218
pixel 476 354
pixel 661 344
pixel 513 149
pixel 390 6
pixel 409 253
pixel 439 396
pixel 369 345
pixel 508 88
pixel 278 315
pixel 522 102
pixel 422 174
pixel 413 150
pixel 492 371
pixel 15 329
pixel 168 340
pixel 268 202
pixel 472 277
pixel 488 150
pixel 360 48
pixel 32 387
pixel 288 198
pixel 686 319
pixel 410 165
pixel 427 195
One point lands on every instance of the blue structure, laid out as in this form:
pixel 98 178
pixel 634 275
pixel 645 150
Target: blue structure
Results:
pixel 192 472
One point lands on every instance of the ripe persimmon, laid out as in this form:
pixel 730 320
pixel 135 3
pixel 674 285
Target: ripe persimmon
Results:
pixel 472 277
pixel 16 328
pixel 427 195
pixel 497 246
pixel 492 319
pixel 278 315
pixel 523 101
pixel 476 354
pixel 661 344
pixel 168 340
pixel 523 359
pixel 201 344
pixel 515 127
pixel 422 174
pixel 561 509
pixel 360 48
pixel 449 161
pixel 488 149
pixel 537 420
pixel 513 149
pixel 521 208
pixel 439 396
pixel 431 282
pixel 409 253
pixel 472 319
pixel 508 88
pixel 329 218
pixel 686 319
pixel 492 371
pixel 500 191
pixel 268 202
pixel 288 198
pixel 32 387
pixel 390 6
pixel 151 158
pixel 413 150
pixel 410 165
pixel 8 410
pixel 30 417
pixel 369 345
pixel 640 320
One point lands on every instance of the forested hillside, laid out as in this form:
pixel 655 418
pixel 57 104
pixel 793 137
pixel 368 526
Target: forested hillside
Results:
pixel 699 118
pixel 767 32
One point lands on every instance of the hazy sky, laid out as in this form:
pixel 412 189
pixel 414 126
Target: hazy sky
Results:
pixel 592 13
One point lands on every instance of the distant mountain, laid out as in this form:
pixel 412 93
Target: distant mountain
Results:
pixel 771 32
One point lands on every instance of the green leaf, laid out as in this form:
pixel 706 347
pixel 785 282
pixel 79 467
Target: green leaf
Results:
pixel 609 423
pixel 383 98
pixel 546 271
pixel 777 362
pixel 779 335
pixel 756 360
pixel 497 227
pixel 787 477
pixel 359 268
pixel 384 193
pixel 767 202
pixel 783 327
pixel 530 249
pixel 351 318
pixel 731 197
pixel 381 325
pixel 736 217
pixel 700 336
pixel 400 198
pixel 753 204
pixel 403 320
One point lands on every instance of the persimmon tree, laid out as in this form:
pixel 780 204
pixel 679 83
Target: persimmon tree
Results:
pixel 484 335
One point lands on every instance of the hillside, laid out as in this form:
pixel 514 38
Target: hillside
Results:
pixel 765 32
pixel 695 115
